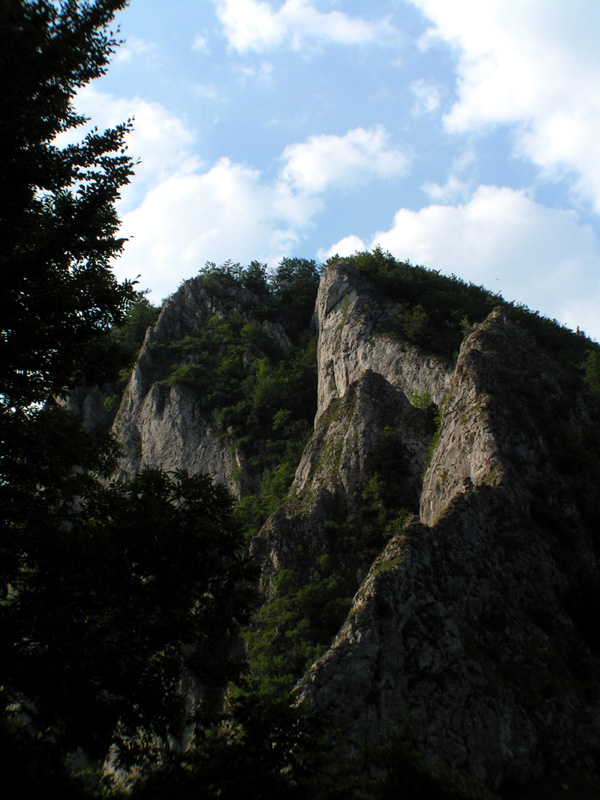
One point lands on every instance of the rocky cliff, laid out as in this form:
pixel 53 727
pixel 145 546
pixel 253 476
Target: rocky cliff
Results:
pixel 470 621
pixel 161 426
pixel 445 510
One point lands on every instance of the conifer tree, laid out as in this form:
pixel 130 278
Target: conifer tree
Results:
pixel 109 595
pixel 58 224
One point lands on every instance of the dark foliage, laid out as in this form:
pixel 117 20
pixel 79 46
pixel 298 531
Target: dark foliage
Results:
pixel 259 751
pixel 406 772
pixel 286 295
pixel 296 627
pixel 58 223
pixel 116 595
pixel 109 594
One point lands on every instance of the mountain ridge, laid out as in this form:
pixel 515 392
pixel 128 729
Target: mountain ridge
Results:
pixel 429 554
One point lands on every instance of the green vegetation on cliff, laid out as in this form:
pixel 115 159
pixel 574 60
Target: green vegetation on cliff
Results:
pixel 437 311
pixel 253 370
pixel 121 604
pixel 310 603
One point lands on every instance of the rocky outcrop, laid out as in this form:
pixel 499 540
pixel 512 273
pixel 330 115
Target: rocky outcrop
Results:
pixel 467 624
pixel 334 469
pixel 95 407
pixel 365 381
pixel 162 427
pixel 349 319
pixel 477 622
pixel 166 427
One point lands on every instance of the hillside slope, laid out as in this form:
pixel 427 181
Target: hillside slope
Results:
pixel 434 562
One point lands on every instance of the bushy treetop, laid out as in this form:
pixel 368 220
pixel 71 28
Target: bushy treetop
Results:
pixel 58 223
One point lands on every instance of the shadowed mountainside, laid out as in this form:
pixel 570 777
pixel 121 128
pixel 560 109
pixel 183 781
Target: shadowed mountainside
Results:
pixel 417 467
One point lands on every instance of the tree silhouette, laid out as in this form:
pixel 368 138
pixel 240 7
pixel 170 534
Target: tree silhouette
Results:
pixel 110 595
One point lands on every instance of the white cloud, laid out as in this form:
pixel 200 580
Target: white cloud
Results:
pixel 533 65
pixel 261 73
pixel 428 96
pixel 178 213
pixel 453 189
pixel 207 91
pixel 253 25
pixel 457 186
pixel 200 43
pixel 133 48
pixel 223 213
pixel 230 211
pixel 161 141
pixel 314 165
pixel 505 241
pixel 345 247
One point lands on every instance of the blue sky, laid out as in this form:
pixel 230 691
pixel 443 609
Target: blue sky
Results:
pixel 462 135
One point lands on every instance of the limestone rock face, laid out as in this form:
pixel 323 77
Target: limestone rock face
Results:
pixel 348 317
pixel 334 468
pixel 165 427
pixel 161 427
pixel 469 622
pixel 91 406
pixel 477 620
pixel 367 380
